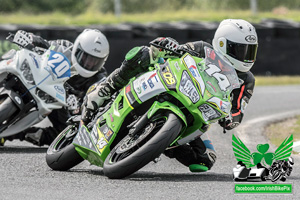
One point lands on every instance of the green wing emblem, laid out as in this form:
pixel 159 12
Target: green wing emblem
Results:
pixel 241 152
pixel 284 151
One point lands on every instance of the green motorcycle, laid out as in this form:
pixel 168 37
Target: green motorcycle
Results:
pixel 159 109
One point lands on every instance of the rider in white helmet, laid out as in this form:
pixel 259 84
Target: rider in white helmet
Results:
pixel 89 53
pixel 87 56
pixel 235 40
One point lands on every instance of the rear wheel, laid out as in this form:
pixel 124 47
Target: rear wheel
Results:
pixel 134 152
pixel 61 154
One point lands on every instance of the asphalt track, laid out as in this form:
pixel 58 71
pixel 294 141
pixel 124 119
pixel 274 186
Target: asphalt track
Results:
pixel 25 175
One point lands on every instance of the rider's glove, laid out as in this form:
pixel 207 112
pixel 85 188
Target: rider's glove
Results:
pixel 97 94
pixel 95 97
pixel 166 43
pixel 23 38
pixel 230 122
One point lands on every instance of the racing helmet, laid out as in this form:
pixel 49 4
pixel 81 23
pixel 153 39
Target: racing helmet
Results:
pixel 237 41
pixel 89 52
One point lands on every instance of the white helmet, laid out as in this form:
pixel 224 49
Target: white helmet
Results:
pixel 90 52
pixel 236 40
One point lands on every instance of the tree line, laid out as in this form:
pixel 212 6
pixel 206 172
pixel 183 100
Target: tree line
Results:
pixel 137 6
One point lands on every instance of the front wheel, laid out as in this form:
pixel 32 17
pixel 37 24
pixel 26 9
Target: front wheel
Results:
pixel 7 108
pixel 61 154
pixel 134 152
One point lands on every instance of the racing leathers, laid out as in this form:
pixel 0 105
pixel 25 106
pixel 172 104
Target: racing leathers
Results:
pixel 199 155
pixel 78 86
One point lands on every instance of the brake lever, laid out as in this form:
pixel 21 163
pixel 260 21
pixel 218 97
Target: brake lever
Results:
pixel 10 38
pixel 162 47
pixel 182 50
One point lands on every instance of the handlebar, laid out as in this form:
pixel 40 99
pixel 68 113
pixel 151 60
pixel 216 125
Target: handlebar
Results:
pixel 30 47
pixel 180 51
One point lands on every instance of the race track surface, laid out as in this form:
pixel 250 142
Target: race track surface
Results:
pixel 25 174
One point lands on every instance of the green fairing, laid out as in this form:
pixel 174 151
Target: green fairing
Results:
pixel 170 75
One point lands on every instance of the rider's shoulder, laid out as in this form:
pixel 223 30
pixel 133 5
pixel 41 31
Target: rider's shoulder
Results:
pixel 247 77
pixel 198 46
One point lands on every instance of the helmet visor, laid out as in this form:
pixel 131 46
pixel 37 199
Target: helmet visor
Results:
pixel 88 61
pixel 242 52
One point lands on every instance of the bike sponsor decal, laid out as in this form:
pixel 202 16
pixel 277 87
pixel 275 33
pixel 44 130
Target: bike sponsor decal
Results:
pixel 208 113
pixel 59 89
pixel 107 132
pixel 101 144
pixel 190 63
pixel 59 64
pixel 83 137
pixel 223 105
pixel 94 134
pixel 269 166
pixel 147 86
pixel 177 66
pixel 130 97
pixel 188 88
pixel 98 138
pixel 59 96
pixel 170 80
pixel 168 76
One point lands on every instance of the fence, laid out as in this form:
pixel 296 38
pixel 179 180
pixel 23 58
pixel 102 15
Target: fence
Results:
pixel 278 51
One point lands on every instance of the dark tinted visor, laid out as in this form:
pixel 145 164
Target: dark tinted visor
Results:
pixel 88 61
pixel 242 52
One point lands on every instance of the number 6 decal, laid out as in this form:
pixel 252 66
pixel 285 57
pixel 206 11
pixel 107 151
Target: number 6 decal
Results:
pixel 221 78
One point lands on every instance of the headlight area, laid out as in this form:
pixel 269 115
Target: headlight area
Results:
pixel 188 88
pixel 44 96
pixel 209 113
pixel 26 72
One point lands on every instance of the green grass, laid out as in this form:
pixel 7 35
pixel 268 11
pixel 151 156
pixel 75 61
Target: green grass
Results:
pixel 277 132
pixel 276 80
pixel 92 17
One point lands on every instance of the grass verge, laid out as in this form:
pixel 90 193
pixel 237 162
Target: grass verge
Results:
pixel 96 17
pixel 277 132
pixel 276 80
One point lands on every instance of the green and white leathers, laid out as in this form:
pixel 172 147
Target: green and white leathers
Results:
pixel 157 110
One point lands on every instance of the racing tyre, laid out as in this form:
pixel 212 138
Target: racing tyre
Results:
pixel 276 175
pixel 61 154
pixel 134 152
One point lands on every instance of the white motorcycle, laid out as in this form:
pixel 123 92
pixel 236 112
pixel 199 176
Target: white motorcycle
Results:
pixel 32 84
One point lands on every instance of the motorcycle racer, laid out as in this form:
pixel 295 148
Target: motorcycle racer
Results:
pixel 87 55
pixel 235 40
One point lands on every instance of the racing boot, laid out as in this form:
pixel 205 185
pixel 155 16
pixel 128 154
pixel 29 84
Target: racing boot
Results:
pixel 198 155
pixel 206 155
